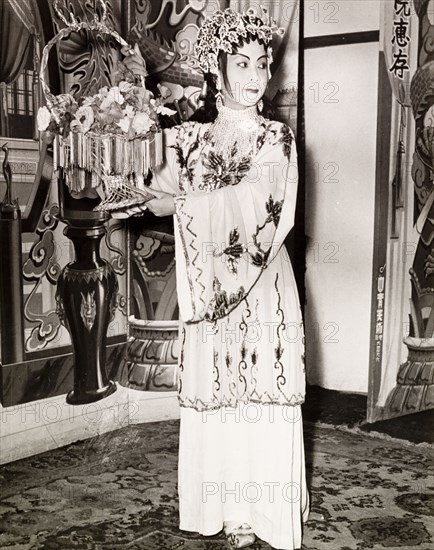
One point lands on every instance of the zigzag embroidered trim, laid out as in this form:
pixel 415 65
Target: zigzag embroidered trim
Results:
pixel 201 406
pixel 179 203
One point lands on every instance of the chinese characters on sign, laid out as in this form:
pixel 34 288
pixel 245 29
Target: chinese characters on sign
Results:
pixel 401 38
pixel 379 317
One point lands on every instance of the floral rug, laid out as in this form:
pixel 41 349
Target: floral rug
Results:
pixel 118 491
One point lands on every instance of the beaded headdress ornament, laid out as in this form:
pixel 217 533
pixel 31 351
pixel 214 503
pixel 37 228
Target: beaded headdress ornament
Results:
pixel 222 31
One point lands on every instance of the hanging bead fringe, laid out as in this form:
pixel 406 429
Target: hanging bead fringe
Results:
pixel 91 160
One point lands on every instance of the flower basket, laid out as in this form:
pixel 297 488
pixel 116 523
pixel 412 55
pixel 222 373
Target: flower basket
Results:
pixel 106 143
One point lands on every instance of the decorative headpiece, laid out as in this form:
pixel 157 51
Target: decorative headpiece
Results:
pixel 222 31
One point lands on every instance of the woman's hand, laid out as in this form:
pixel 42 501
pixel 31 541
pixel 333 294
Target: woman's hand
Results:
pixel 162 205
pixel 134 61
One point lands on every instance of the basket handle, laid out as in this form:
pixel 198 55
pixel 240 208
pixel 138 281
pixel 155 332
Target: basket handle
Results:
pixel 71 15
pixel 75 26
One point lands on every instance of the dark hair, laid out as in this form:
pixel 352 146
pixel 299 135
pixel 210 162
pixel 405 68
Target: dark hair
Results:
pixel 208 112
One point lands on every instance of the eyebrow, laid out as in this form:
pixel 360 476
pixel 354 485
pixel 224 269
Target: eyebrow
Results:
pixel 247 57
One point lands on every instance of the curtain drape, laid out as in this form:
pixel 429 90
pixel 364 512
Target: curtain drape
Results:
pixel 15 24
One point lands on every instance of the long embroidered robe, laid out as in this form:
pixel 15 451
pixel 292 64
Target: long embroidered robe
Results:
pixel 242 338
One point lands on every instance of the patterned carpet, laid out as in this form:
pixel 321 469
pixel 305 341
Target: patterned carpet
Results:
pixel 119 491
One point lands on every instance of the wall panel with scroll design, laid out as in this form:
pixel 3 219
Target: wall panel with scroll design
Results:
pixel 47 368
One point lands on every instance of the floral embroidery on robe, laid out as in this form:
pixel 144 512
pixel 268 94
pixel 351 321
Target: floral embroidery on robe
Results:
pixel 242 336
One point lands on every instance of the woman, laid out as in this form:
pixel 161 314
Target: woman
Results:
pixel 231 186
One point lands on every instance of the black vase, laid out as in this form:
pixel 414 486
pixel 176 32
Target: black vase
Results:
pixel 85 296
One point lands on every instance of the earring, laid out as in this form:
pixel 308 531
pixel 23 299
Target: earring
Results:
pixel 219 103
pixel 218 82
pixel 260 105
pixel 219 96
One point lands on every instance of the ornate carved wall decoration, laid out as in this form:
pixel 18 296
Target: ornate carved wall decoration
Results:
pixel 88 59
pixel 150 361
pixel 84 62
pixel 119 260
pixel 422 90
pixel 153 276
pixel 42 266
pixel 415 381
pixel 166 33
pixel 116 243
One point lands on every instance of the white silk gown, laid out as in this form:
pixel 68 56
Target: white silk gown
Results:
pixel 241 364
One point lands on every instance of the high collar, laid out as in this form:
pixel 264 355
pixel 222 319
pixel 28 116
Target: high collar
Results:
pixel 226 114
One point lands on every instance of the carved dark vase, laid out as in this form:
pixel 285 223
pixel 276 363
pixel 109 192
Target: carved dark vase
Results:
pixel 85 296
pixel 86 291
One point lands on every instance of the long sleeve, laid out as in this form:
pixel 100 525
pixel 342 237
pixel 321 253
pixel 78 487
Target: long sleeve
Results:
pixel 165 177
pixel 179 142
pixel 225 238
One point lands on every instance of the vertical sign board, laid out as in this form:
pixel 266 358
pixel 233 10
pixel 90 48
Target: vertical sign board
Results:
pixel 380 236
pixel 394 76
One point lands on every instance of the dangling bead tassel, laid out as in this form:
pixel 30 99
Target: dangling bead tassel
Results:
pixel 218 82
pixel 260 105
pixel 219 97
pixel 219 102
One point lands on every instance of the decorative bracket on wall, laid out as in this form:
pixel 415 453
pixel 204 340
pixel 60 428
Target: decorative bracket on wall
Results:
pixel 397 183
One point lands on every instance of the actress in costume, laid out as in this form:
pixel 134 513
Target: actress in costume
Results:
pixel 231 185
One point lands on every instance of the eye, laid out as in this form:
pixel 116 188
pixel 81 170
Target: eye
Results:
pixel 263 66
pixel 242 64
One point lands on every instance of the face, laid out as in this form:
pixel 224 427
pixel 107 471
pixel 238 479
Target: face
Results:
pixel 246 76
